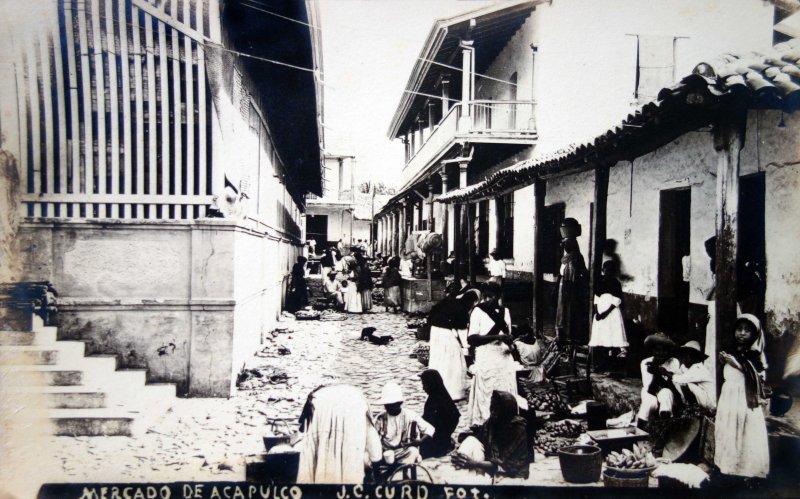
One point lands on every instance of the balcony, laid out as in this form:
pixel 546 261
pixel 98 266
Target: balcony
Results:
pixel 485 121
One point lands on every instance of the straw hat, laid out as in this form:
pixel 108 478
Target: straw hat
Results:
pixel 659 339
pixel 391 394
pixel 693 349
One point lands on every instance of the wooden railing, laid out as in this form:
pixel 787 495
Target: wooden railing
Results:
pixel 483 118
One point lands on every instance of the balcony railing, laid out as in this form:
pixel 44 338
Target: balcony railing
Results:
pixel 486 119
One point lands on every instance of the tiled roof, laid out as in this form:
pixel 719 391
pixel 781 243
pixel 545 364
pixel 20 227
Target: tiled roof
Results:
pixel 770 80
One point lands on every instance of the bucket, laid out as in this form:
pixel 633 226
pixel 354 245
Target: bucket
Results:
pixel 580 463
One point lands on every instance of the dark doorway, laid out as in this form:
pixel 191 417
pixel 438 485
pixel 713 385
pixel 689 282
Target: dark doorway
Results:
pixel 550 256
pixel 751 257
pixel 317 229
pixel 482 229
pixel 673 246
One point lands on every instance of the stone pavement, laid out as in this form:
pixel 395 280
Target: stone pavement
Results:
pixel 207 439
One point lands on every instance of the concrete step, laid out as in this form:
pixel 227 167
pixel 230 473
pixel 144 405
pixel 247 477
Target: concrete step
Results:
pixel 18 338
pixel 74 397
pixel 92 422
pixel 43 375
pixel 25 355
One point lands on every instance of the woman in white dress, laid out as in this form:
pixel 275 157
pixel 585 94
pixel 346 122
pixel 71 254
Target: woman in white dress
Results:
pixel 494 368
pixel 448 320
pixel 352 297
pixel 740 432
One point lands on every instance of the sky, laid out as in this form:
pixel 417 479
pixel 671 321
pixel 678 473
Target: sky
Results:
pixel 369 48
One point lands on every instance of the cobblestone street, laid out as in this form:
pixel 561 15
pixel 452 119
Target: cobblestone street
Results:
pixel 208 439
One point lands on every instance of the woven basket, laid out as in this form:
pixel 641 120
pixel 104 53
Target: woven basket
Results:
pixel 627 478
pixel 424 355
pixel 580 468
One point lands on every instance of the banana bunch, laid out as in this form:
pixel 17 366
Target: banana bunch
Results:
pixel 638 458
pixel 566 428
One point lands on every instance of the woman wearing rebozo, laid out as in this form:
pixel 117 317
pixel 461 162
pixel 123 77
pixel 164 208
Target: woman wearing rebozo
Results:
pixel 340 440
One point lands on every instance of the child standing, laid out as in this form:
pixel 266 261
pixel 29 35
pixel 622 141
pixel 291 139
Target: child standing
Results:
pixel 740 430
pixel 608 326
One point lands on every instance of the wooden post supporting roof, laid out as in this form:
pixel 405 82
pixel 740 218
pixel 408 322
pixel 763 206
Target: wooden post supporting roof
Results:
pixel 728 141
pixel 598 228
pixel 539 191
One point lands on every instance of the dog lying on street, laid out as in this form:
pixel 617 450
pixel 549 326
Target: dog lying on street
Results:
pixel 368 334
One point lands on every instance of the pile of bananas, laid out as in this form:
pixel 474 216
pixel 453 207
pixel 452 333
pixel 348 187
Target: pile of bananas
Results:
pixel 548 444
pixel 547 402
pixel 566 428
pixel 638 458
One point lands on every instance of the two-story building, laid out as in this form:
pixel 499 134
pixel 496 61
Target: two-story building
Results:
pixel 525 80
pixel 126 125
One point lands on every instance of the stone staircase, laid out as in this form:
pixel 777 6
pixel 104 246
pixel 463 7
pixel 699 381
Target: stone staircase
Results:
pixel 84 395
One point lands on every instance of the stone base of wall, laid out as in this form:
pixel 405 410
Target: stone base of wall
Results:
pixel 186 300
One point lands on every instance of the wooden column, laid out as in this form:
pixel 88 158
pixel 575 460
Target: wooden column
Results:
pixel 539 191
pixel 470 209
pixel 458 243
pixel 401 241
pixel 431 219
pixel 445 95
pixel 728 141
pixel 598 227
pixel 445 216
pixel 467 76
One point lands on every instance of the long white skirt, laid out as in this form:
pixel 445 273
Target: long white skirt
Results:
pixel 446 357
pixel 352 300
pixel 740 433
pixel 609 332
pixel 494 369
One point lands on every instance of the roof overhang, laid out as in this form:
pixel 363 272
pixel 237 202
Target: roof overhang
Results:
pixel 755 81
pixel 490 28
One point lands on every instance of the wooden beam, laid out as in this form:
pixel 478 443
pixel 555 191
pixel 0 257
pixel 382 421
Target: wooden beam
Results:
pixel 539 192
pixel 111 54
pixel 166 146
pixel 35 181
pixel 123 17
pixel 152 145
pixel 471 209
pixel 100 97
pixel 139 106
pixel 728 142
pixel 46 75
pixel 598 235
pixel 164 199
pixel 188 54
pixel 202 112
pixel 177 159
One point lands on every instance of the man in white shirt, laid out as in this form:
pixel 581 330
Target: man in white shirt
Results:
pixel 657 397
pixel 401 430
pixel 695 381
pixel 497 267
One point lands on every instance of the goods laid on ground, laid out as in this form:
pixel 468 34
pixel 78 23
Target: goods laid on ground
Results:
pixel 307 315
pixel 547 401
pixel 415 323
pixel 566 428
pixel 549 445
pixel 331 316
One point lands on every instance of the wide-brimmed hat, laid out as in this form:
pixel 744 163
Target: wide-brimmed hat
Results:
pixel 659 339
pixel 391 394
pixel 692 349
pixel 494 251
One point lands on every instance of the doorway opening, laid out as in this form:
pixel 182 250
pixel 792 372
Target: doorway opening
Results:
pixel 751 256
pixel 673 252
pixel 317 230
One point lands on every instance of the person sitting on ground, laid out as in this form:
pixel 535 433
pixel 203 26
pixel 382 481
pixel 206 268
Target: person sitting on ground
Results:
pixel 500 444
pixel 658 392
pixel 695 382
pixel 332 291
pixel 391 281
pixel 441 412
pixel 339 439
pixel 402 431
pixel 531 349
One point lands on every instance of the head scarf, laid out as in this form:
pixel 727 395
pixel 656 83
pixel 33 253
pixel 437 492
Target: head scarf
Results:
pixel 753 361
pixel 504 435
pixel 440 410
pixel 333 448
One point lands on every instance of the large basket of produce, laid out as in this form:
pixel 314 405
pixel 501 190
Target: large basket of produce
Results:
pixel 566 428
pixel 547 401
pixel 549 445
pixel 307 315
pixel 629 468
pixel 580 463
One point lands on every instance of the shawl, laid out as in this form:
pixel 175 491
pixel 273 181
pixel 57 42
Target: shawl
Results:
pixel 440 410
pixel 505 436
pixel 753 361
pixel 333 448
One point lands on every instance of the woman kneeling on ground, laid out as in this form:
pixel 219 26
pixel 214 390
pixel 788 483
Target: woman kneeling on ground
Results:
pixel 500 444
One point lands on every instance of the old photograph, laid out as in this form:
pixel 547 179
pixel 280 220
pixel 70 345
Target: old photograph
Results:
pixel 400 249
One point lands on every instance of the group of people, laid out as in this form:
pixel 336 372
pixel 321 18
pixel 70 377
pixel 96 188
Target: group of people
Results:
pixel 675 378
pixel 341 441
pixel 348 281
